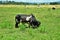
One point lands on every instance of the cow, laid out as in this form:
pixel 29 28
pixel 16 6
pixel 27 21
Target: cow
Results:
pixel 30 19
pixel 53 8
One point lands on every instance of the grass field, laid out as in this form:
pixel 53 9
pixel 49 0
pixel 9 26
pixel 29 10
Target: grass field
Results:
pixel 48 30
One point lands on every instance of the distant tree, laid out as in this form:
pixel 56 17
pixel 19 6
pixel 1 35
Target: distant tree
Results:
pixel 0 2
pixel 53 3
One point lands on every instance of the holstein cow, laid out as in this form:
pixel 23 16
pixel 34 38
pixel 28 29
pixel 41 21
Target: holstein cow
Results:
pixel 30 19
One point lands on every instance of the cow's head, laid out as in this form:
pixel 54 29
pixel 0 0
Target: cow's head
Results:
pixel 36 24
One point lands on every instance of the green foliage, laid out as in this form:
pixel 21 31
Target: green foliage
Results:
pixel 48 30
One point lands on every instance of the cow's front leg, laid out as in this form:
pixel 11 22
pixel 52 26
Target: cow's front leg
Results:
pixel 29 25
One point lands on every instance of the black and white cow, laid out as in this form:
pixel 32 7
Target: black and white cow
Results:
pixel 30 19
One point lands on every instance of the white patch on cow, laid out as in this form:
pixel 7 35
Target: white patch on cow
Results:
pixel 28 18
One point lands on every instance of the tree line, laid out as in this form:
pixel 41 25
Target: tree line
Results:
pixel 26 3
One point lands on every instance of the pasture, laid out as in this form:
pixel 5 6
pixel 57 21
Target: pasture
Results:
pixel 48 30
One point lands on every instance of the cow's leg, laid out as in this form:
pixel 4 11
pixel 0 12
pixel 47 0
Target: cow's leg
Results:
pixel 17 22
pixel 28 26
pixel 16 25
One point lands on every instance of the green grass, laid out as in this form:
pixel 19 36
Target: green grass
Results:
pixel 48 30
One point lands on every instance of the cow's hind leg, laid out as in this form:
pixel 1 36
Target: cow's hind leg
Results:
pixel 16 25
pixel 17 22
